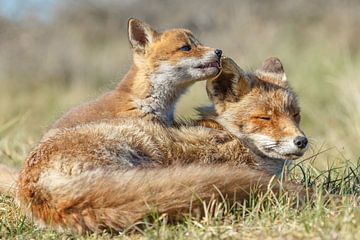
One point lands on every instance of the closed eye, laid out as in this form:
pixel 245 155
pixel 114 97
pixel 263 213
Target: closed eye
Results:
pixel 186 48
pixel 296 117
pixel 265 118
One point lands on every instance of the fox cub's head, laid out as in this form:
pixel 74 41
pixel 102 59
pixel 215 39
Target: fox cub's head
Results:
pixel 259 108
pixel 174 56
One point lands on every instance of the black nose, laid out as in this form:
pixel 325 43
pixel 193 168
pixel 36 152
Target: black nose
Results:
pixel 301 142
pixel 218 53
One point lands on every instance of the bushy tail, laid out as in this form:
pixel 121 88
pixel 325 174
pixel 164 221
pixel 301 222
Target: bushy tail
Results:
pixel 118 199
pixel 8 178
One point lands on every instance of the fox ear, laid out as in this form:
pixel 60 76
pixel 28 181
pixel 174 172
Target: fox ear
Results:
pixel 141 34
pixel 272 71
pixel 229 86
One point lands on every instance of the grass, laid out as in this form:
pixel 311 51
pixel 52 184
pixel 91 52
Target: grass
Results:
pixel 48 67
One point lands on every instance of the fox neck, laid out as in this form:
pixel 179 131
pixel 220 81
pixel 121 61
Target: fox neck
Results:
pixel 273 166
pixel 152 93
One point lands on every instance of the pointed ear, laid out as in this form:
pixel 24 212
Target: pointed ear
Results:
pixel 229 86
pixel 141 35
pixel 272 71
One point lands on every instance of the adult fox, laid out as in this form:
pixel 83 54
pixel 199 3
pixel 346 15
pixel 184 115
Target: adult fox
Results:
pixel 112 174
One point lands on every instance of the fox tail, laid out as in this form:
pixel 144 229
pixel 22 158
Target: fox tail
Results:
pixel 118 199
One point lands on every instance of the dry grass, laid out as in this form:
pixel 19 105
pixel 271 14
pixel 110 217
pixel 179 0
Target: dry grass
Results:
pixel 48 66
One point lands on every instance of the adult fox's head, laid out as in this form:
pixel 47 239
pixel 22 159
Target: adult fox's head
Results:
pixel 260 108
pixel 174 57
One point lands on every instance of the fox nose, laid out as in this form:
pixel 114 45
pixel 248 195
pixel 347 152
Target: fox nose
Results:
pixel 218 53
pixel 301 142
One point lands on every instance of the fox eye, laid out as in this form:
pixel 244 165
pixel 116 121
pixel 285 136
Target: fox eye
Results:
pixel 186 48
pixel 265 118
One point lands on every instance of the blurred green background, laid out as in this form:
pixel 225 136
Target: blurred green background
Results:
pixel 58 54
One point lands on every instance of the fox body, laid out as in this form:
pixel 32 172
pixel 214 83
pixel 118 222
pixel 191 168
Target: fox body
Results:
pixel 164 66
pixel 113 174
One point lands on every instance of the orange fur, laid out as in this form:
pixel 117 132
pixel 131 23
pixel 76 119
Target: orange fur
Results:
pixel 118 199
pixel 260 108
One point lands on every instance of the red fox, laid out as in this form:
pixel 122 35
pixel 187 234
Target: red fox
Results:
pixel 110 175
pixel 164 66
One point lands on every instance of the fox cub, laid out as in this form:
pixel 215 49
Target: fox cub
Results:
pixel 164 66
pixel 111 175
